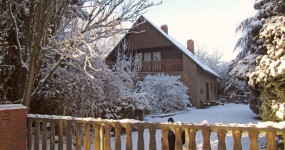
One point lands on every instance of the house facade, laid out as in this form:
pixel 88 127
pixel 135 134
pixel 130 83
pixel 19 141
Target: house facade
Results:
pixel 159 52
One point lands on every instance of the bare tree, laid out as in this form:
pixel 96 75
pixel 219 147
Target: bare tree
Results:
pixel 202 53
pixel 213 59
pixel 40 36
pixel 127 65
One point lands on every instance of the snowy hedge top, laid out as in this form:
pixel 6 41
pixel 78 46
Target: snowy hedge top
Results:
pixel 184 50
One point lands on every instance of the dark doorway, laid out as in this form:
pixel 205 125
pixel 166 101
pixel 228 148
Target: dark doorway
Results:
pixel 207 91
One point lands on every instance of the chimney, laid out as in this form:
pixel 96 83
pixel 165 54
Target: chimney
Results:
pixel 164 28
pixel 190 46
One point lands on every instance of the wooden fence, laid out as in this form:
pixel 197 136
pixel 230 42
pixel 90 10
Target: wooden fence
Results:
pixel 79 130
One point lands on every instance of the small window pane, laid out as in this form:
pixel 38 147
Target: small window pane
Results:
pixel 147 56
pixel 156 56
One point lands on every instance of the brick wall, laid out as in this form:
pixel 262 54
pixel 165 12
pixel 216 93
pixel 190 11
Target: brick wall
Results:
pixel 189 77
pixel 13 127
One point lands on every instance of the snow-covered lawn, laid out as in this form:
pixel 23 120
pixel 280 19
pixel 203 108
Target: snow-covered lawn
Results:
pixel 226 114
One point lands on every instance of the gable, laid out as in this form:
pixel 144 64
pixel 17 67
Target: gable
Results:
pixel 146 36
pixel 188 53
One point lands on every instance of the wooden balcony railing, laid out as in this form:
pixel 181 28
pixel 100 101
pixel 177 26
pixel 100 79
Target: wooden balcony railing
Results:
pixel 76 133
pixel 162 66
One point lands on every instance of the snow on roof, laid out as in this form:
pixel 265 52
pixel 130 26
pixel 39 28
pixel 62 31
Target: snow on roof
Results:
pixel 185 50
pixel 12 106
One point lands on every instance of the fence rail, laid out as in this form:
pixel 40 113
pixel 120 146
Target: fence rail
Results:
pixel 80 129
pixel 163 65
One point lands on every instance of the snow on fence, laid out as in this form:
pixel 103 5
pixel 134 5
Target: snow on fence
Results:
pixel 81 131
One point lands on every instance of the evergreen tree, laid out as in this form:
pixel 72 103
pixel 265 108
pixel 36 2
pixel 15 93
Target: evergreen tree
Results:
pixel 263 56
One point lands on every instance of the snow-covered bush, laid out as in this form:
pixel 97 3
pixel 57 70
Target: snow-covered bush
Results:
pixel 165 93
pixel 134 105
pixel 71 92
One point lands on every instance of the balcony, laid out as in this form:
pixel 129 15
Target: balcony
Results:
pixel 169 65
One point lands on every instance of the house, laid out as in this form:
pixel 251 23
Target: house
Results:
pixel 160 52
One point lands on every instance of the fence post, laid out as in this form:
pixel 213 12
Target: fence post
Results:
pixel 60 134
pixel 178 140
pixel 253 135
pixel 97 136
pixel 78 136
pixel 52 134
pixel 237 139
pixel 270 135
pixel 164 131
pixel 129 145
pixel 87 136
pixel 206 139
pixel 107 137
pixel 140 138
pixel 221 136
pixel 102 137
pixel 29 142
pixel 68 135
pixel 37 134
pixel 44 137
pixel 152 141
pixel 192 139
pixel 117 137
pixel 13 127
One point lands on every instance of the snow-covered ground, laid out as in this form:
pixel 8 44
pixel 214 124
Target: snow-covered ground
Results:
pixel 226 114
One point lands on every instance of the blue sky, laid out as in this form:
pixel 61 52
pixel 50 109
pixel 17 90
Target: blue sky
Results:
pixel 210 23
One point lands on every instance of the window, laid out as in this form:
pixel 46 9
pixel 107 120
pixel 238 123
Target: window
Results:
pixel 211 87
pixel 151 61
pixel 147 56
pixel 156 56
pixel 147 61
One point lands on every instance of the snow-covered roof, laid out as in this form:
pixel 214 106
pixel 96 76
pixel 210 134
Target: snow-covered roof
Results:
pixel 184 50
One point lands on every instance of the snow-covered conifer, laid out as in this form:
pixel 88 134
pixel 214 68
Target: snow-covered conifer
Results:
pixel 262 56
